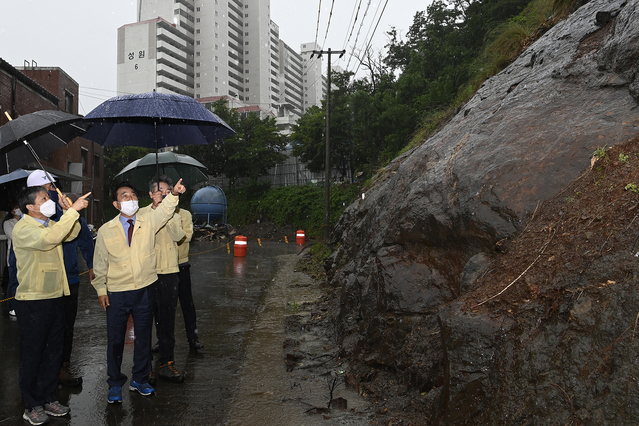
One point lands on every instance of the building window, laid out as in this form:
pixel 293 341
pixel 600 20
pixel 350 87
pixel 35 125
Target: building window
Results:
pixel 216 57
pixel 246 24
pixel 197 43
pixel 246 43
pixel 246 89
pixel 197 64
pixel 197 74
pixel 246 52
pixel 197 20
pixel 246 80
pixel 216 79
pixel 197 85
pixel 68 102
pixel 197 53
pixel 246 71
pixel 216 47
pixel 96 165
pixel 217 90
pixel 215 35
pixel 216 13
pixel 197 9
pixel 246 15
pixel 246 34
pixel 217 25
pixel 246 6
pixel 246 62
pixel 85 159
pixel 216 69
pixel 197 31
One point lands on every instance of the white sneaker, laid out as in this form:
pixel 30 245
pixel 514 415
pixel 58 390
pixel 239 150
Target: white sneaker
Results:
pixel 12 313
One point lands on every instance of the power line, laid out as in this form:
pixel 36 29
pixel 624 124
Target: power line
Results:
pixel 330 15
pixel 356 13
pixel 372 35
pixel 319 10
pixel 358 33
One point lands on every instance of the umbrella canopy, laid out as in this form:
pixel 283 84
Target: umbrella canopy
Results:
pixel 154 120
pixel 45 131
pixel 141 172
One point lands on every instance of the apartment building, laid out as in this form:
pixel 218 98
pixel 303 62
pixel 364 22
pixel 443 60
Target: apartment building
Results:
pixel 211 48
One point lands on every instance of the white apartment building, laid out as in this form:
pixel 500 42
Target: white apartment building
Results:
pixel 211 48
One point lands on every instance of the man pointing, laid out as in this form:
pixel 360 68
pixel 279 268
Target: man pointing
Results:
pixel 125 274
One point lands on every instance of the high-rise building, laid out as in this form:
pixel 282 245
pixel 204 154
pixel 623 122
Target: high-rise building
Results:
pixel 213 48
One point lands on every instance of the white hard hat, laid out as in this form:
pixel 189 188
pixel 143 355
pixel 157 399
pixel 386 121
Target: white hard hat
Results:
pixel 39 178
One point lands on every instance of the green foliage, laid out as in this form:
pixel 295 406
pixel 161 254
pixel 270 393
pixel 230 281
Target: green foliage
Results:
pixel 600 152
pixel 632 187
pixel 299 206
pixel 623 157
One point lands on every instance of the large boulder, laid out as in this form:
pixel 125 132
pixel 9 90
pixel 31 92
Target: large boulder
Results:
pixel 427 229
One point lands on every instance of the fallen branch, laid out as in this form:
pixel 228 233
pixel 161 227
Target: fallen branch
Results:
pixel 520 275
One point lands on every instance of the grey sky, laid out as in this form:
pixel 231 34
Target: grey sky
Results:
pixel 80 36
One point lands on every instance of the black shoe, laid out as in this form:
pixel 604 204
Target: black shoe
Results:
pixel 65 378
pixel 156 347
pixel 170 372
pixel 195 345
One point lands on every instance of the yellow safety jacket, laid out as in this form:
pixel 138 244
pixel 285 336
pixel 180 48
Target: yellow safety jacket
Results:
pixel 39 257
pixel 118 267
pixel 184 244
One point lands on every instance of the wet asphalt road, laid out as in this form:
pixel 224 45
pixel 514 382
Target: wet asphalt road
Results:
pixel 227 291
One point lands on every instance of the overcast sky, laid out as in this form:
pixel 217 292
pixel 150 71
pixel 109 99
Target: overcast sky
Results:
pixel 80 36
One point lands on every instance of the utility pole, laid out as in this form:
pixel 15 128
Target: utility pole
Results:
pixel 327 160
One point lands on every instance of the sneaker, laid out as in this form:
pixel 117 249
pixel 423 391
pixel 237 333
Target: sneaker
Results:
pixel 12 313
pixel 145 389
pixel 115 394
pixel 35 415
pixel 170 372
pixel 195 345
pixel 56 409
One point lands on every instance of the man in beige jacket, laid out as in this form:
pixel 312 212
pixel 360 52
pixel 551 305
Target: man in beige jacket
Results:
pixel 37 243
pixel 125 275
pixel 167 285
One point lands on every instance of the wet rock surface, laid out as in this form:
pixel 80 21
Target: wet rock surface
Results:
pixel 450 224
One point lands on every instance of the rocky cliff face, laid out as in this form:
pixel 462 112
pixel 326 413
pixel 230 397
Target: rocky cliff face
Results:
pixel 414 251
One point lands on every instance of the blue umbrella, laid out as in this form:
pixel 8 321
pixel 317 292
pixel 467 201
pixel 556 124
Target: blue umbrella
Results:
pixel 154 120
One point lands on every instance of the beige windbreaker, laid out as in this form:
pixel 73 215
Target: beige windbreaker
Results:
pixel 117 266
pixel 184 244
pixel 39 257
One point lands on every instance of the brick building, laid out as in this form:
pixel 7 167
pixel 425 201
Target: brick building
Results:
pixel 80 164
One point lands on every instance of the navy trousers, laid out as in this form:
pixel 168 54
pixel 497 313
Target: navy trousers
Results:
pixel 41 333
pixel 70 313
pixel 186 301
pixel 139 304
pixel 167 297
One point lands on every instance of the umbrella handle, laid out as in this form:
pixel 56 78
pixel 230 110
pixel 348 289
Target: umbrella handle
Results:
pixel 8 116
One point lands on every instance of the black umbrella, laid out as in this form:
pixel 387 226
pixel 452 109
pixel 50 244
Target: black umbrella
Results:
pixel 175 166
pixel 10 186
pixel 39 132
pixel 154 120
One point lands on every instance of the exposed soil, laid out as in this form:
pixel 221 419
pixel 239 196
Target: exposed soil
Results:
pixel 590 218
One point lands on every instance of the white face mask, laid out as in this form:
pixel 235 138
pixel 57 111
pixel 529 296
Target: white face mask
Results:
pixel 129 207
pixel 48 208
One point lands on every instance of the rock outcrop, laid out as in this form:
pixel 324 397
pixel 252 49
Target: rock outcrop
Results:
pixel 417 243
